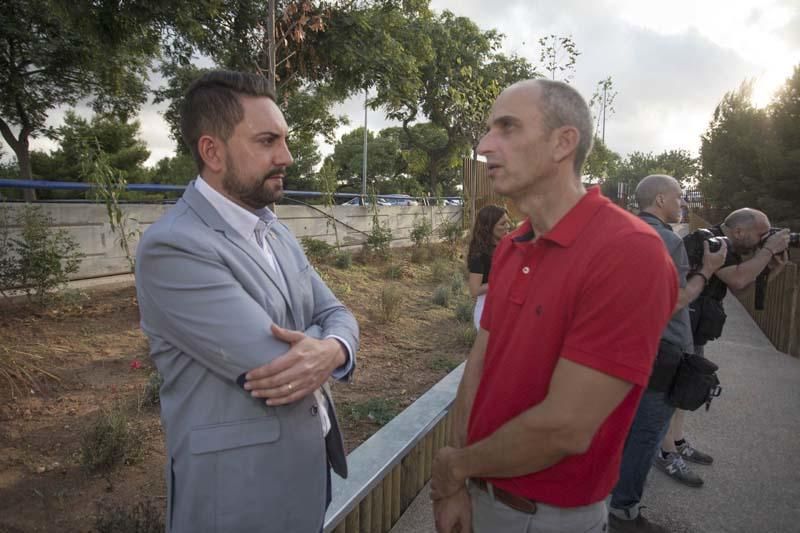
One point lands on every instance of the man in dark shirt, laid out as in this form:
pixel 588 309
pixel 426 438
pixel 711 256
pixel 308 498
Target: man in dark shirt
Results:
pixel 659 198
pixel 747 231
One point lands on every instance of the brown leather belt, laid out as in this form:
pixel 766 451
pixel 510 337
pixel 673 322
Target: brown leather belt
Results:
pixel 518 503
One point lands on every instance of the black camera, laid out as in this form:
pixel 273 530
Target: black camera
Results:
pixel 693 243
pixel 794 238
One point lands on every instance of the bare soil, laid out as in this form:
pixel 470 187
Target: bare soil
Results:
pixel 97 355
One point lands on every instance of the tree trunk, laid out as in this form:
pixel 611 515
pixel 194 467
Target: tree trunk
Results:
pixel 271 45
pixel 22 151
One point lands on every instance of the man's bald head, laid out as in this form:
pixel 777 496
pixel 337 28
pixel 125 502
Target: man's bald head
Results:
pixel 746 218
pixel 560 105
pixel 650 187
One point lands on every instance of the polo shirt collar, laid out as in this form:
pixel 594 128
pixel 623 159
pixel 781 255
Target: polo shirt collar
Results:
pixel 571 225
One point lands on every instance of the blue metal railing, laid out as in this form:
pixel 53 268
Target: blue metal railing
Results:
pixel 157 187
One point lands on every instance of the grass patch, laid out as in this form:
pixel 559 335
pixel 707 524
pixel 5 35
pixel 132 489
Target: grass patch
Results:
pixel 109 442
pixel 394 271
pixel 317 250
pixel 377 410
pixel 442 364
pixel 463 310
pixel 441 296
pixel 144 517
pixel 391 300
pixel 343 260
pixel 441 270
pixel 466 334
pixel 151 393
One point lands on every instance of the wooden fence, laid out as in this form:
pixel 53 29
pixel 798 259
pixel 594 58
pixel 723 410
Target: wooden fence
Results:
pixel 390 469
pixel 478 192
pixel 780 318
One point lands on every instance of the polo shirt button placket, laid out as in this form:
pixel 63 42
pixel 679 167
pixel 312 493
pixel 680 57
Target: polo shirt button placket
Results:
pixel 526 270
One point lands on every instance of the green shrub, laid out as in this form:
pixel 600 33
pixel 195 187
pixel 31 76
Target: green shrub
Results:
pixel 442 363
pixel 110 441
pixel 466 335
pixel 421 232
pixel 394 271
pixel 40 260
pixel 343 260
pixel 317 250
pixel 457 284
pixel 379 410
pixel 463 310
pixel 441 270
pixel 441 295
pixel 151 395
pixel 391 299
pixel 379 240
pixel 451 233
pixel 144 517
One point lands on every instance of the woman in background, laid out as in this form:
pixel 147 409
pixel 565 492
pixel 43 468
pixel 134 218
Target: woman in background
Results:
pixel 491 225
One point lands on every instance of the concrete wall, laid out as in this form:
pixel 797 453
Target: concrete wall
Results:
pixel 88 223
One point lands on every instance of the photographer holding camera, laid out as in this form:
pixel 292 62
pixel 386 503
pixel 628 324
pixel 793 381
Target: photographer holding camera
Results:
pixel 660 201
pixel 748 232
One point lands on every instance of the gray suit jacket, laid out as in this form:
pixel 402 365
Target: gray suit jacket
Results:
pixel 207 298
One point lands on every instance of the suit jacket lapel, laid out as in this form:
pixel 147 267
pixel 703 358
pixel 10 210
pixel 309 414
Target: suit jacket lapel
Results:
pixel 211 217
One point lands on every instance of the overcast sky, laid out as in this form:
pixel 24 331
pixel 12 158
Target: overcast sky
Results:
pixel 671 62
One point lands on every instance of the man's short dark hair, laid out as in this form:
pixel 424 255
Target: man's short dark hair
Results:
pixel 211 106
pixel 562 105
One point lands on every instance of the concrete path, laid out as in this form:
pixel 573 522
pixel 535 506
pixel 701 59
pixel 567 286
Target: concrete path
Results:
pixel 753 432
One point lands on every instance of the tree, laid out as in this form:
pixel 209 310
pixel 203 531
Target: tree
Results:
pixel 628 172
pixel 601 163
pixel 117 139
pixel 558 54
pixel 602 104
pixel 57 52
pixel 732 151
pixel 384 158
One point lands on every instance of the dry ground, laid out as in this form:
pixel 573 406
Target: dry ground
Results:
pixel 93 346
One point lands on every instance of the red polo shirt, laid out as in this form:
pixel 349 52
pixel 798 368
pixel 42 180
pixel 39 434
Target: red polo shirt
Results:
pixel 597 289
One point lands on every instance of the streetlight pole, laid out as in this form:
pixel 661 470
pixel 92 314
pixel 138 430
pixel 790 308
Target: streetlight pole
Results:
pixel 364 166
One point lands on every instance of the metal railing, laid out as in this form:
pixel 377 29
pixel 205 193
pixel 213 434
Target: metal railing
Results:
pixel 391 199
pixel 388 470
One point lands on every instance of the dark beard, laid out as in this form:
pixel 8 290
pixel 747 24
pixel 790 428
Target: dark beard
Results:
pixel 255 196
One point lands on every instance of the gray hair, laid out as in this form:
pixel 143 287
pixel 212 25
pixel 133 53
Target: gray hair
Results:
pixel 561 105
pixel 651 186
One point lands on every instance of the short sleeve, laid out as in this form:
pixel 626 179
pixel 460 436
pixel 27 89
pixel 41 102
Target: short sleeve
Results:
pixel 476 264
pixel 625 301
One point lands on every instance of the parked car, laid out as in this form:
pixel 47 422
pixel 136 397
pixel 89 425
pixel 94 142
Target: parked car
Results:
pixel 358 200
pixel 398 199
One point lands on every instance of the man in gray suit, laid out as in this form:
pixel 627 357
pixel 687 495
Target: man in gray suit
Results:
pixel 242 329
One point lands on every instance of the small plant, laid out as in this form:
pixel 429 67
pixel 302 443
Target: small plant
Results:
pixel 440 363
pixel 379 239
pixel 109 442
pixel 421 232
pixel 391 298
pixel 40 261
pixel 379 410
pixel 457 284
pixel 394 271
pixel 317 250
pixel 144 517
pixel 463 310
pixel 110 186
pixel 151 394
pixel 441 270
pixel 343 260
pixel 451 233
pixel 441 296
pixel 466 335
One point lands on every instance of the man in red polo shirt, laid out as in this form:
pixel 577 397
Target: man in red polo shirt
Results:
pixel 578 298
